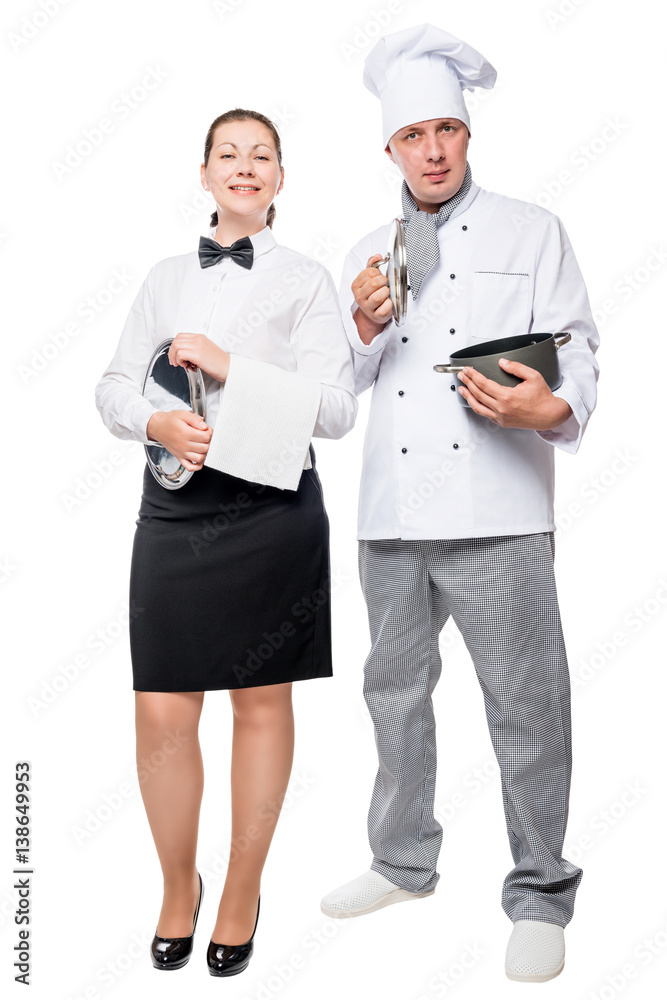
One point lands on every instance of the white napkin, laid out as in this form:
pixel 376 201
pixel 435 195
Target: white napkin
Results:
pixel 264 424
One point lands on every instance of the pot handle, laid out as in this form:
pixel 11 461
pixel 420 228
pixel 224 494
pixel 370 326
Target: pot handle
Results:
pixel 562 338
pixel 448 369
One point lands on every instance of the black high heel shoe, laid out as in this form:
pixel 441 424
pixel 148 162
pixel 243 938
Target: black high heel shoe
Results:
pixel 230 959
pixel 174 953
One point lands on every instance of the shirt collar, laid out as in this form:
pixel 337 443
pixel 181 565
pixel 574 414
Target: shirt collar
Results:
pixel 467 201
pixel 262 241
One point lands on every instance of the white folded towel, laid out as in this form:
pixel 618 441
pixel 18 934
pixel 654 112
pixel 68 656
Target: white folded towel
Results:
pixel 264 424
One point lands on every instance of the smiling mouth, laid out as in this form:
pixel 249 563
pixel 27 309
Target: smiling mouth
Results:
pixel 244 188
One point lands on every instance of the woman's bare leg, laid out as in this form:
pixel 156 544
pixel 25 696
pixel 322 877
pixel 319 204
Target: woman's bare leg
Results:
pixel 171 779
pixel 262 753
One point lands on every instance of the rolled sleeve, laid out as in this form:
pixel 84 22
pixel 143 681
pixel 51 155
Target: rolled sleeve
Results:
pixel 365 357
pixel 567 436
pixel 319 345
pixel 561 304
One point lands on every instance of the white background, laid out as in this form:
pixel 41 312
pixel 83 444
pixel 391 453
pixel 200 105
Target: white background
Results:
pixel 137 199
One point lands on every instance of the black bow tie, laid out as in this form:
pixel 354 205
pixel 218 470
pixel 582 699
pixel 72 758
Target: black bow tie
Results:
pixel 211 252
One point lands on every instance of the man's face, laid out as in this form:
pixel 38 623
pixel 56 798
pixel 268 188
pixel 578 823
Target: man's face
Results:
pixel 431 155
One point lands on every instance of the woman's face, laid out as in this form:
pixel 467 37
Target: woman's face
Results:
pixel 243 172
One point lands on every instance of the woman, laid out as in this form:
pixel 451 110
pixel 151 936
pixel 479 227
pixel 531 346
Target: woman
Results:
pixel 230 573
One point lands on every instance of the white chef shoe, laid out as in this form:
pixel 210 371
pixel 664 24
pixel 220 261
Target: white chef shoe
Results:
pixel 535 952
pixel 370 891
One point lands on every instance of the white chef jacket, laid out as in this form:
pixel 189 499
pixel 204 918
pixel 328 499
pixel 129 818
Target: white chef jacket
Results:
pixel 433 468
pixel 290 376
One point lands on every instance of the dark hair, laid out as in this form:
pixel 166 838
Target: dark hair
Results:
pixel 243 115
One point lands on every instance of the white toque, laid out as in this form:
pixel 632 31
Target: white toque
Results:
pixel 420 73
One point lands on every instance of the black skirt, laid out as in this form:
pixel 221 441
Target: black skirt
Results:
pixel 229 584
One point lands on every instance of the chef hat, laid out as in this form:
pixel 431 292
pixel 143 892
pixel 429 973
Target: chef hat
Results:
pixel 420 73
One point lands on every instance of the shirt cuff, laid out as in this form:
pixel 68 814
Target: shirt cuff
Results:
pixel 264 424
pixel 377 344
pixel 141 413
pixel 567 435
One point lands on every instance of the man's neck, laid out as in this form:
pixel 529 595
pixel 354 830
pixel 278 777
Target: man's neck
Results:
pixel 433 208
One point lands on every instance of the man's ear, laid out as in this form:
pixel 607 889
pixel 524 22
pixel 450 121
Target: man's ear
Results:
pixel 389 153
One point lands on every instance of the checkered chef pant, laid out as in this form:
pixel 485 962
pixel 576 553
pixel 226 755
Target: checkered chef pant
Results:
pixel 501 593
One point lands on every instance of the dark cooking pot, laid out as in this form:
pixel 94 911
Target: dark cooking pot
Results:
pixel 537 350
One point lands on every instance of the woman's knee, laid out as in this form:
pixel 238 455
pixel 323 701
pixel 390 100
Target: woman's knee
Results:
pixel 160 712
pixel 262 705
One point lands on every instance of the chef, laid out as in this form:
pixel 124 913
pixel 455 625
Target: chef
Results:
pixel 456 501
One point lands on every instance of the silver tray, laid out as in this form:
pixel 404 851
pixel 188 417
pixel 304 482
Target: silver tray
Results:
pixel 171 387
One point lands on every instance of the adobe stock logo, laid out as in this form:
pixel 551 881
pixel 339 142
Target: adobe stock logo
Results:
pixel 32 24
pixel 121 108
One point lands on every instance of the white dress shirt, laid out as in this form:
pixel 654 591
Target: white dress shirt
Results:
pixel 290 375
pixel 433 468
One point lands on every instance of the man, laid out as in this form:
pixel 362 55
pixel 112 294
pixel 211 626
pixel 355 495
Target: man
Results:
pixel 456 502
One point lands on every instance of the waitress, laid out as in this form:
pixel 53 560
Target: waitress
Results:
pixel 231 571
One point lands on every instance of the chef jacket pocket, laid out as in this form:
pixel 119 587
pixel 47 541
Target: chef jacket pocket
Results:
pixel 500 304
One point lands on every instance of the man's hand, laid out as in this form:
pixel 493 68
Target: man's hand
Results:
pixel 183 433
pixel 195 350
pixel 530 404
pixel 371 293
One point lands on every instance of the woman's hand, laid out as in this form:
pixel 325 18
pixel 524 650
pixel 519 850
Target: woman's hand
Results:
pixel 195 350
pixel 183 433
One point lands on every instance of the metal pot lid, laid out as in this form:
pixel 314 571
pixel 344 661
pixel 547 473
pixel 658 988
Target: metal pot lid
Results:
pixel 171 387
pixel 397 271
